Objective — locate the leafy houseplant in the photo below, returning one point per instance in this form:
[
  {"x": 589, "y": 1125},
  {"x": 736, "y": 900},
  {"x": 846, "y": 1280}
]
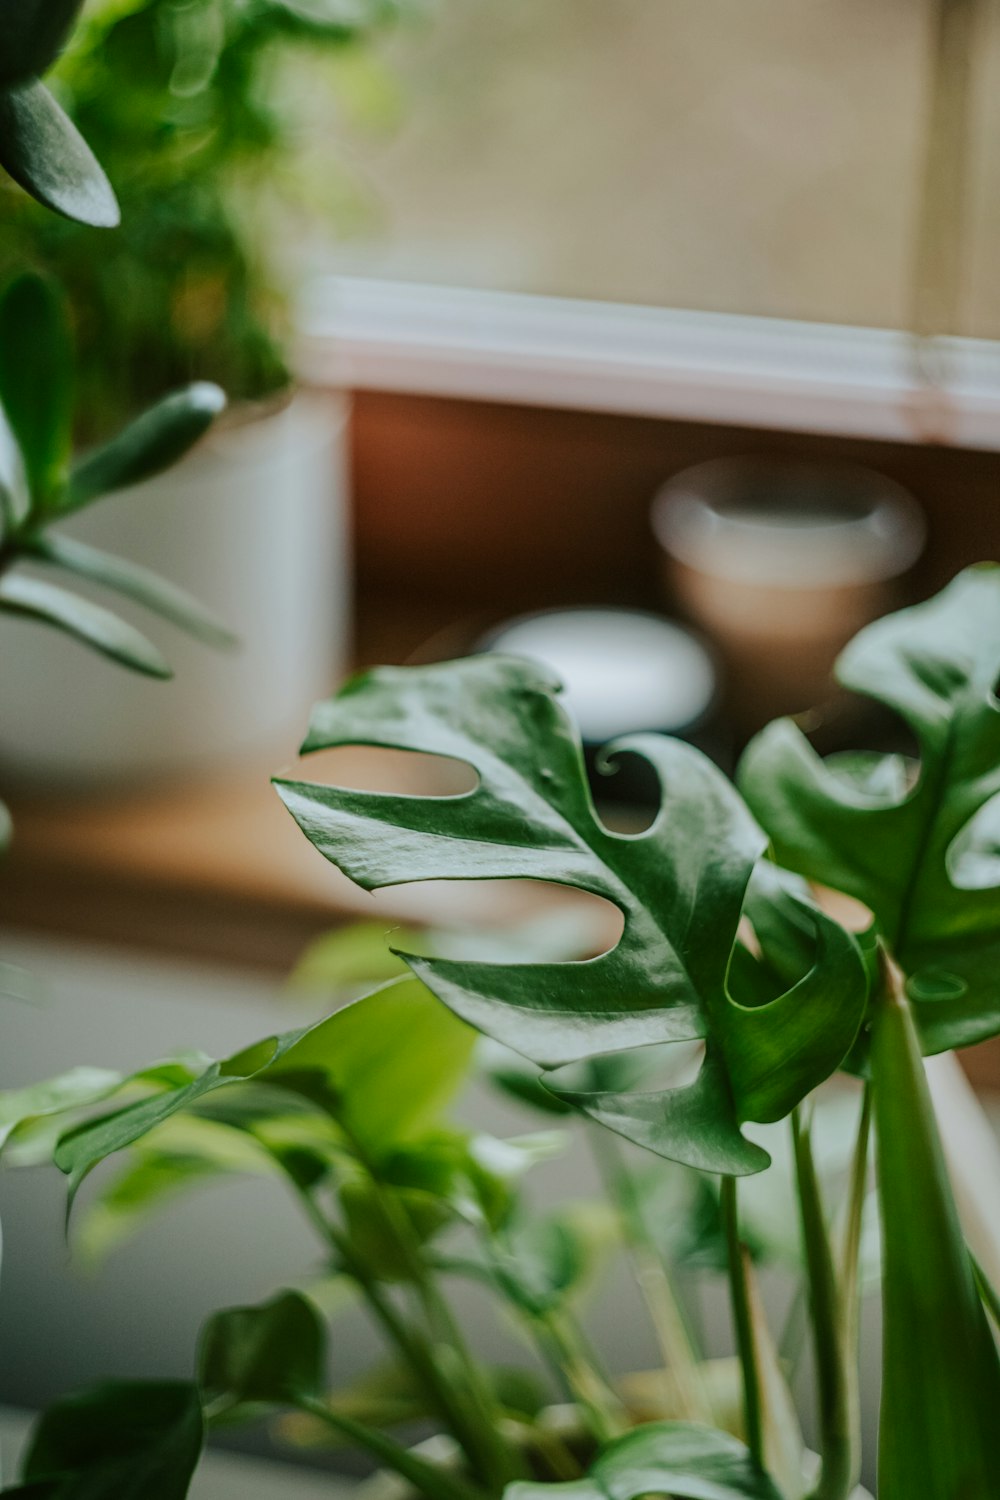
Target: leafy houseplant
[
  {"x": 197, "y": 113},
  {"x": 728, "y": 948}
]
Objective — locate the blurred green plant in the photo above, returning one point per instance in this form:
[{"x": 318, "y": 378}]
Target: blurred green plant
[
  {"x": 198, "y": 110},
  {"x": 40, "y": 148}
]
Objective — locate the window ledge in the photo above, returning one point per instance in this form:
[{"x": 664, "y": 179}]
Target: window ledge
[{"x": 651, "y": 362}]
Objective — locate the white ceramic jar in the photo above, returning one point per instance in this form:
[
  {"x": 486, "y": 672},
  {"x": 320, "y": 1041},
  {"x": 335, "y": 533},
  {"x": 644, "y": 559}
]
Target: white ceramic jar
[{"x": 254, "y": 523}]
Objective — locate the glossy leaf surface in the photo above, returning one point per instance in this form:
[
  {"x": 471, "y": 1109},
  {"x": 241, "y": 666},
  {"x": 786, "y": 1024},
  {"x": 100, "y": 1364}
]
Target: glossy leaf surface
[
  {"x": 680, "y": 886},
  {"x": 918, "y": 844},
  {"x": 153, "y": 442},
  {"x": 679, "y": 1459},
  {"x": 938, "y": 1433},
  {"x": 36, "y": 379},
  {"x": 132, "y": 1441},
  {"x": 89, "y": 623},
  {"x": 45, "y": 154},
  {"x": 132, "y": 581},
  {"x": 271, "y": 1353}
]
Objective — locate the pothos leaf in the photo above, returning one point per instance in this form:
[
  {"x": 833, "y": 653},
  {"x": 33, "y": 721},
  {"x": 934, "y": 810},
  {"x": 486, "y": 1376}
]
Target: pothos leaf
[
  {"x": 919, "y": 844},
  {"x": 272, "y": 1353},
  {"x": 381, "y": 1067},
  {"x": 680, "y": 886},
  {"x": 681, "y": 1459},
  {"x": 126, "y": 1439}
]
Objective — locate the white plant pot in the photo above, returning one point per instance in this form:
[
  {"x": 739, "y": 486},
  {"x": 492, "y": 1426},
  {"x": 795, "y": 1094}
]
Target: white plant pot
[{"x": 254, "y": 524}]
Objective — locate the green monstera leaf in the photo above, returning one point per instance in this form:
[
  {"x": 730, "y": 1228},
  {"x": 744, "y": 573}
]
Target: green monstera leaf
[
  {"x": 681, "y": 1459},
  {"x": 680, "y": 886},
  {"x": 918, "y": 843}
]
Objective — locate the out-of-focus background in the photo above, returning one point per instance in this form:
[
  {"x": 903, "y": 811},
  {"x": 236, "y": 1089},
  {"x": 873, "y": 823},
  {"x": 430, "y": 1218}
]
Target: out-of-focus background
[{"x": 523, "y": 306}]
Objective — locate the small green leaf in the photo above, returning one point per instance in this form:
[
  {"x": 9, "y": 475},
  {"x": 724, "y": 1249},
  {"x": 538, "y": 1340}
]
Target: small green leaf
[
  {"x": 135, "y": 582},
  {"x": 155, "y": 441},
  {"x": 680, "y": 886},
  {"x": 129, "y": 1440},
  {"x": 68, "y": 1091},
  {"x": 36, "y": 379},
  {"x": 274, "y": 1353},
  {"x": 34, "y": 32},
  {"x": 87, "y": 622},
  {"x": 382, "y": 1067},
  {"x": 15, "y": 497},
  {"x": 679, "y": 1459},
  {"x": 45, "y": 154},
  {"x": 918, "y": 844}
]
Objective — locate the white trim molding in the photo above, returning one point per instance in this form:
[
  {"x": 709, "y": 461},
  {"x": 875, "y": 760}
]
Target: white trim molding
[{"x": 649, "y": 362}]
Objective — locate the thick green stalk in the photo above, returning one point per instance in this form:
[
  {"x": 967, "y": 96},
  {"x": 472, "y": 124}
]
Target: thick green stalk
[
  {"x": 493, "y": 1458},
  {"x": 430, "y": 1480},
  {"x": 939, "y": 1435},
  {"x": 652, "y": 1275},
  {"x": 412, "y": 1345},
  {"x": 746, "y": 1344},
  {"x": 568, "y": 1353},
  {"x": 838, "y": 1423}
]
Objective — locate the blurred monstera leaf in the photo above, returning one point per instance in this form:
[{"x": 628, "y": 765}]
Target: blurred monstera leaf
[
  {"x": 681, "y": 1459},
  {"x": 680, "y": 886},
  {"x": 918, "y": 842},
  {"x": 40, "y": 147}
]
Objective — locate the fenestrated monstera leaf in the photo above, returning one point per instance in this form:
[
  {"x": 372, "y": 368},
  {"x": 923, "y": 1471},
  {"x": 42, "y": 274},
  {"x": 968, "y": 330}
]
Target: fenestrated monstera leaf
[
  {"x": 682, "y": 1459},
  {"x": 919, "y": 844},
  {"x": 680, "y": 886}
]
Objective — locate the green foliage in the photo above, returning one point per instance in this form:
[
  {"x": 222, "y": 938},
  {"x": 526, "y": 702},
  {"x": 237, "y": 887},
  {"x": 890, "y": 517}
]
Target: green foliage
[
  {"x": 197, "y": 112},
  {"x": 336, "y": 1065},
  {"x": 130, "y": 1440},
  {"x": 273, "y": 1353},
  {"x": 680, "y": 886},
  {"x": 39, "y": 146},
  {"x": 917, "y": 842},
  {"x": 940, "y": 1369},
  {"x": 686, "y": 1461},
  {"x": 39, "y": 485}
]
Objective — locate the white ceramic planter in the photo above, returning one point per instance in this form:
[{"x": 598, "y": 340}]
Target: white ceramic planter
[{"x": 254, "y": 523}]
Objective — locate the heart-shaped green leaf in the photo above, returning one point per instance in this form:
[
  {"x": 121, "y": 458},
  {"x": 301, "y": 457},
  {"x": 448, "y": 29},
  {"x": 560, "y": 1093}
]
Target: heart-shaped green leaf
[
  {"x": 273, "y": 1353},
  {"x": 680, "y": 1459},
  {"x": 36, "y": 380},
  {"x": 88, "y": 622},
  {"x": 918, "y": 844},
  {"x": 680, "y": 886},
  {"x": 33, "y": 33},
  {"x": 153, "y": 442},
  {"x": 45, "y": 154},
  {"x": 133, "y": 1441}
]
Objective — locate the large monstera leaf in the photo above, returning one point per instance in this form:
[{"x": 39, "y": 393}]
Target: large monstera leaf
[
  {"x": 680, "y": 886},
  {"x": 918, "y": 843}
]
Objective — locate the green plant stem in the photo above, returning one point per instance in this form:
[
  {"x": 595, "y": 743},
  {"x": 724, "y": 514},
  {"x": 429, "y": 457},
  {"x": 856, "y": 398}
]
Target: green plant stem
[
  {"x": 652, "y": 1275},
  {"x": 839, "y": 1426},
  {"x": 410, "y": 1343},
  {"x": 430, "y": 1479},
  {"x": 568, "y": 1354},
  {"x": 746, "y": 1344},
  {"x": 987, "y": 1291},
  {"x": 493, "y": 1458}
]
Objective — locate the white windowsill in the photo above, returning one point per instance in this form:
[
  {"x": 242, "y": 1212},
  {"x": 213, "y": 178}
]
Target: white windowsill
[{"x": 651, "y": 362}]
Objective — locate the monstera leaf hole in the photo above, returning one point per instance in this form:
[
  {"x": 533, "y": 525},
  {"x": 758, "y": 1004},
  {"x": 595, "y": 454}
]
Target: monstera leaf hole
[
  {"x": 973, "y": 858},
  {"x": 374, "y": 768}
]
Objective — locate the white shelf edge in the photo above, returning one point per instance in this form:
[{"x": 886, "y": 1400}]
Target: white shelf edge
[{"x": 649, "y": 362}]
